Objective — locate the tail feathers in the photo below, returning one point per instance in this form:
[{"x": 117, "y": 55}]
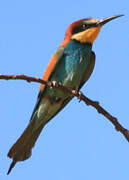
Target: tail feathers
[
  {"x": 11, "y": 166},
  {"x": 21, "y": 150}
]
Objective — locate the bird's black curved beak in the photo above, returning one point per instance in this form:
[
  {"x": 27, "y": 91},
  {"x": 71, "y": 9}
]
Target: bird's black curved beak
[{"x": 105, "y": 20}]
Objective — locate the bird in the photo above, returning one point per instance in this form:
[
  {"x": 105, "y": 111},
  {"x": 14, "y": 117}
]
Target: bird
[{"x": 71, "y": 65}]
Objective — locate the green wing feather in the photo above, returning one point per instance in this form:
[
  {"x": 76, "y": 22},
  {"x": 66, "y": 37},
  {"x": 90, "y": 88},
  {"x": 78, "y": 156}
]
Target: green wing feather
[
  {"x": 60, "y": 55},
  {"x": 87, "y": 75}
]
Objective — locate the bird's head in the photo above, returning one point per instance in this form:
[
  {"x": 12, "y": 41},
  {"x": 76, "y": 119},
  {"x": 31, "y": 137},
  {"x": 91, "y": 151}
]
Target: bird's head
[{"x": 85, "y": 30}]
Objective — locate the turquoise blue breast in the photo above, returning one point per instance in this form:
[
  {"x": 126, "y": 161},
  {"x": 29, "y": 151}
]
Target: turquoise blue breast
[{"x": 73, "y": 64}]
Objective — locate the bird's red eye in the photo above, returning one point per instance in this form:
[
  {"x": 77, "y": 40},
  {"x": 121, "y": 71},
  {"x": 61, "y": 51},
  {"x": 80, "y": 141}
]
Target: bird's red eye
[
  {"x": 80, "y": 28},
  {"x": 84, "y": 26}
]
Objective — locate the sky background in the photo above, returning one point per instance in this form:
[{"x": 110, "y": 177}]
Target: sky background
[{"x": 79, "y": 143}]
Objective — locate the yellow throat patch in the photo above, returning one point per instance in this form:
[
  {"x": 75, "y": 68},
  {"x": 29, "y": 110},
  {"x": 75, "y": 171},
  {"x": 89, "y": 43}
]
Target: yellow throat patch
[{"x": 88, "y": 35}]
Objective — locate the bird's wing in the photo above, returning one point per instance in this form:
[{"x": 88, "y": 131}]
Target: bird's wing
[
  {"x": 85, "y": 78},
  {"x": 52, "y": 66},
  {"x": 21, "y": 150}
]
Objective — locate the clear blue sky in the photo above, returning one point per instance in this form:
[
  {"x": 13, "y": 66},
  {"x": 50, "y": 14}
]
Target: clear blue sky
[{"x": 78, "y": 144}]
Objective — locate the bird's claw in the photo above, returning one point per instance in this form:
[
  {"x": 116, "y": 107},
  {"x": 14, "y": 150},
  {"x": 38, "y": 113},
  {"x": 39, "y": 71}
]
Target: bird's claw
[{"x": 80, "y": 95}]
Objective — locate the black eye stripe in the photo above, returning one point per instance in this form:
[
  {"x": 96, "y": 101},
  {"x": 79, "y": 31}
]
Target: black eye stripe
[
  {"x": 83, "y": 27},
  {"x": 80, "y": 28}
]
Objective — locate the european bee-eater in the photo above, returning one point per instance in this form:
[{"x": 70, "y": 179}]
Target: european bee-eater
[{"x": 72, "y": 65}]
